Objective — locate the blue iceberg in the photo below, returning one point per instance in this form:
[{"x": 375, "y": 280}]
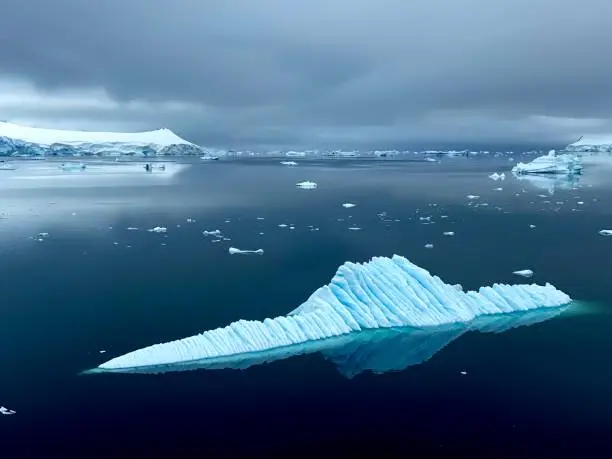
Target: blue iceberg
[{"x": 362, "y": 301}]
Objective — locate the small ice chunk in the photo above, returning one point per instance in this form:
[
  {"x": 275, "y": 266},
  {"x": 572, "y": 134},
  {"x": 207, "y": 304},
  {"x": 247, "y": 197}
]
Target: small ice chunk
[
  {"x": 580, "y": 203},
  {"x": 354, "y": 228},
  {"x": 348, "y": 205},
  {"x": 102, "y": 351},
  {"x": 463, "y": 372},
  {"x": 260, "y": 218},
  {"x": 472, "y": 196},
  {"x": 448, "y": 233},
  {"x": 307, "y": 185},
  {"x": 283, "y": 225},
  {"x": 524, "y": 272},
  {"x": 496, "y": 176},
  {"x": 497, "y": 189},
  {"x": 429, "y": 246},
  {"x": 132, "y": 228},
  {"x": 6, "y": 411},
  {"x": 289, "y": 163},
  {"x": 425, "y": 219},
  {"x": 606, "y": 232},
  {"x": 532, "y": 226},
  {"x": 212, "y": 233},
  {"x": 234, "y": 251},
  {"x": 190, "y": 220},
  {"x": 158, "y": 229}
]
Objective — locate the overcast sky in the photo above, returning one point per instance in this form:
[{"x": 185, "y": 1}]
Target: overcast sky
[{"x": 265, "y": 74}]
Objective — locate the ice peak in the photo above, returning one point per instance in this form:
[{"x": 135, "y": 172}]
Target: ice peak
[{"x": 45, "y": 136}]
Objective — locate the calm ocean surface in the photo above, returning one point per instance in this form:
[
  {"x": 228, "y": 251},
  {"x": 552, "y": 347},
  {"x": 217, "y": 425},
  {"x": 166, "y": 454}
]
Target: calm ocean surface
[{"x": 92, "y": 289}]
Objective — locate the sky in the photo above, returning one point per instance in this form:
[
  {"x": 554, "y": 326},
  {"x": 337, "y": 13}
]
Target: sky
[{"x": 287, "y": 74}]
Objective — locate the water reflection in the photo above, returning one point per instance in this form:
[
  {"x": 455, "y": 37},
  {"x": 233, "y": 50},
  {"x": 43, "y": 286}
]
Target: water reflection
[
  {"x": 550, "y": 182},
  {"x": 378, "y": 351}
]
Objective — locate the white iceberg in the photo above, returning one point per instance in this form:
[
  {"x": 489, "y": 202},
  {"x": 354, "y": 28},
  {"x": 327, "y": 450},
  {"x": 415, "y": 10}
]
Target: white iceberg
[
  {"x": 6, "y": 411},
  {"x": 158, "y": 229},
  {"x": 605, "y": 232},
  {"x": 32, "y": 141},
  {"x": 235, "y": 251},
  {"x": 382, "y": 293},
  {"x": 592, "y": 143},
  {"x": 551, "y": 163},
  {"x": 307, "y": 185}
]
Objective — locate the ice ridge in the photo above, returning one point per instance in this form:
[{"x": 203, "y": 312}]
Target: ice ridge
[{"x": 382, "y": 293}]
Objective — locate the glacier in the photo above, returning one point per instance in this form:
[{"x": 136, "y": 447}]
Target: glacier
[
  {"x": 384, "y": 293},
  {"x": 592, "y": 143},
  {"x": 17, "y": 140}
]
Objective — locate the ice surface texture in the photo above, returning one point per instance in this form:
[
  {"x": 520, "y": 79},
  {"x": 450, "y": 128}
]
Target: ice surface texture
[
  {"x": 24, "y": 140},
  {"x": 382, "y": 293}
]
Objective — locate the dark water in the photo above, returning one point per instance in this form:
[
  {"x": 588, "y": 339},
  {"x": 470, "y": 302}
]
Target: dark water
[{"x": 92, "y": 285}]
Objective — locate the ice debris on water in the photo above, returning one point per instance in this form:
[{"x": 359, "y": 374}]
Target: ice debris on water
[
  {"x": 448, "y": 233},
  {"x": 429, "y": 246},
  {"x": 497, "y": 189},
  {"x": 523, "y": 272},
  {"x": 348, "y": 205},
  {"x": 283, "y": 225},
  {"x": 289, "y": 163},
  {"x": 496, "y": 176},
  {"x": 158, "y": 229},
  {"x": 307, "y": 185},
  {"x": 132, "y": 228},
  {"x": 532, "y": 226},
  {"x": 606, "y": 232},
  {"x": 212, "y": 233},
  {"x": 6, "y": 411},
  {"x": 472, "y": 196},
  {"x": 235, "y": 251},
  {"x": 354, "y": 228},
  {"x": 190, "y": 220}
]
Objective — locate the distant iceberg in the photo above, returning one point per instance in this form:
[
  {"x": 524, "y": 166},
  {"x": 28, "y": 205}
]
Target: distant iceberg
[
  {"x": 16, "y": 140},
  {"x": 552, "y": 163},
  {"x": 592, "y": 143},
  {"x": 383, "y": 293}
]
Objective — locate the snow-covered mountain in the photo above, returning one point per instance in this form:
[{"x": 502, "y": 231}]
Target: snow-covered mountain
[
  {"x": 592, "y": 143},
  {"x": 17, "y": 140}
]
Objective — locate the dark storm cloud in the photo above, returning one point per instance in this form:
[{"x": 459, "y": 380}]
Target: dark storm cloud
[{"x": 325, "y": 73}]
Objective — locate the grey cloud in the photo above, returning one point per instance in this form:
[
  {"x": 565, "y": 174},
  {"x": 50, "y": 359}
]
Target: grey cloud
[{"x": 326, "y": 73}]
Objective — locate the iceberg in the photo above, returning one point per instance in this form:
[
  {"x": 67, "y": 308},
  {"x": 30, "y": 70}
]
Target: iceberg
[
  {"x": 552, "y": 163},
  {"x": 307, "y": 185},
  {"x": 592, "y": 143},
  {"x": 235, "y": 251},
  {"x": 383, "y": 293},
  {"x": 17, "y": 140}
]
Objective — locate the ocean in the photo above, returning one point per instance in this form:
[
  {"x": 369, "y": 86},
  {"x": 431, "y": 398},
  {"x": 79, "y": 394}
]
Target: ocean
[{"x": 83, "y": 281}]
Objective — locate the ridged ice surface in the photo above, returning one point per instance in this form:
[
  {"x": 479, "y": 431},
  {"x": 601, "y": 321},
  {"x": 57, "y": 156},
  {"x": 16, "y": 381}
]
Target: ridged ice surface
[{"x": 383, "y": 293}]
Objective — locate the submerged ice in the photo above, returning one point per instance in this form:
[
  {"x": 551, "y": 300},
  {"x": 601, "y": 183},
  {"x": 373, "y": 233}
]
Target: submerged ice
[{"x": 382, "y": 293}]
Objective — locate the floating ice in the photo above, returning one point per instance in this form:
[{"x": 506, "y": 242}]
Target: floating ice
[
  {"x": 524, "y": 272},
  {"x": 429, "y": 246},
  {"x": 472, "y": 196},
  {"x": 496, "y": 176},
  {"x": 497, "y": 189},
  {"x": 354, "y": 228},
  {"x": 212, "y": 233},
  {"x": 132, "y": 228},
  {"x": 158, "y": 229},
  {"x": 605, "y": 232},
  {"x": 348, "y": 205},
  {"x": 532, "y": 226},
  {"x": 289, "y": 163},
  {"x": 6, "y": 411},
  {"x": 382, "y": 293},
  {"x": 448, "y": 233},
  {"x": 551, "y": 164},
  {"x": 307, "y": 185},
  {"x": 235, "y": 251}
]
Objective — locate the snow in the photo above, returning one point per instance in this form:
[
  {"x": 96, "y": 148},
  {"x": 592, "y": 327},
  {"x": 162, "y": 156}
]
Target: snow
[
  {"x": 592, "y": 140},
  {"x": 382, "y": 293},
  {"x": 42, "y": 136},
  {"x": 235, "y": 251}
]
